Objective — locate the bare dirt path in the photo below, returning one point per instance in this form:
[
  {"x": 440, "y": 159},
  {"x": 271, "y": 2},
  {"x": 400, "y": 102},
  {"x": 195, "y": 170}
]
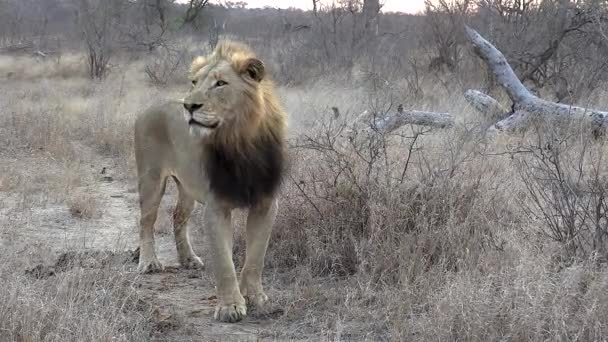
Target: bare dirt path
[{"x": 185, "y": 299}]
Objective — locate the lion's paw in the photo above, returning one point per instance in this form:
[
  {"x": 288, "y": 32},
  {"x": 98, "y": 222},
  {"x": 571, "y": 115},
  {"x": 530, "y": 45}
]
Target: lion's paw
[
  {"x": 230, "y": 313},
  {"x": 258, "y": 300},
  {"x": 151, "y": 265},
  {"x": 192, "y": 263}
]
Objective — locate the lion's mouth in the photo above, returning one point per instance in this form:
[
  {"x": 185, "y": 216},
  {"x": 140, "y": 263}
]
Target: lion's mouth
[{"x": 209, "y": 125}]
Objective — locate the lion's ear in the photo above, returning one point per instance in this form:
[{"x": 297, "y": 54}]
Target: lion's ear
[
  {"x": 254, "y": 68},
  {"x": 197, "y": 64}
]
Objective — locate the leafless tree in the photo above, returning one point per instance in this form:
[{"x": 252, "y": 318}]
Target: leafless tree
[
  {"x": 371, "y": 16},
  {"x": 343, "y": 28},
  {"x": 194, "y": 9},
  {"x": 165, "y": 65},
  {"x": 96, "y": 20},
  {"x": 444, "y": 20},
  {"x": 154, "y": 25}
]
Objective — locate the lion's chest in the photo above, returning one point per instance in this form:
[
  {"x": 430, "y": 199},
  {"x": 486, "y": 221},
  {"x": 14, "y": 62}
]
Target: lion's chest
[{"x": 246, "y": 177}]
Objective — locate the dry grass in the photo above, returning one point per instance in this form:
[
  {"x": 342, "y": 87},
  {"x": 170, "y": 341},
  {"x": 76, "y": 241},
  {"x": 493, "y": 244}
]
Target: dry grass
[
  {"x": 55, "y": 121},
  {"x": 84, "y": 206},
  {"x": 443, "y": 251},
  {"x": 447, "y": 254},
  {"x": 30, "y": 68},
  {"x": 58, "y": 114},
  {"x": 70, "y": 303}
]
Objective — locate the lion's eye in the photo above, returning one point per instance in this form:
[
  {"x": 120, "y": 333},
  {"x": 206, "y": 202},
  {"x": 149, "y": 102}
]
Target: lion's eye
[
  {"x": 193, "y": 82},
  {"x": 220, "y": 83}
]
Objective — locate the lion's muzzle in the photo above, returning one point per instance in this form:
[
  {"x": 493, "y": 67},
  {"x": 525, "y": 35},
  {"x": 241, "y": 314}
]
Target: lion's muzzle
[
  {"x": 192, "y": 107},
  {"x": 201, "y": 124},
  {"x": 200, "y": 119}
]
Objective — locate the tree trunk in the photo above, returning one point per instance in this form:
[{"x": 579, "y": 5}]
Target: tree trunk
[{"x": 371, "y": 11}]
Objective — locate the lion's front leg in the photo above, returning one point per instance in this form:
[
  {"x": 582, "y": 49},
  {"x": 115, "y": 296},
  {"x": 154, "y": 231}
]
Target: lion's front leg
[
  {"x": 231, "y": 304},
  {"x": 259, "y": 226}
]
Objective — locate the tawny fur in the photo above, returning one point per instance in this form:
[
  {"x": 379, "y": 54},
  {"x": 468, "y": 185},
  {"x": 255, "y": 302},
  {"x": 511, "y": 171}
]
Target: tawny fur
[{"x": 224, "y": 146}]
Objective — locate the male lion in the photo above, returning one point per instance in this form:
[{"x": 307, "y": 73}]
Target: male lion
[{"x": 223, "y": 146}]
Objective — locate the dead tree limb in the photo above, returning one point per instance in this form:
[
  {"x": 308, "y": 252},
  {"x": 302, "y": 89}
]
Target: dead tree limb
[
  {"x": 17, "y": 49},
  {"x": 525, "y": 104},
  {"x": 392, "y": 121},
  {"x": 486, "y": 105}
]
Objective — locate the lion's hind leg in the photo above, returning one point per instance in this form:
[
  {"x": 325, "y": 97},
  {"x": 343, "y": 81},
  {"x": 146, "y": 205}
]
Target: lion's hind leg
[
  {"x": 258, "y": 230},
  {"x": 181, "y": 214},
  {"x": 151, "y": 190}
]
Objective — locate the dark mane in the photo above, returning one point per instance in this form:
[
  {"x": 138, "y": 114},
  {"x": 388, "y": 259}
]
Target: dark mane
[{"x": 245, "y": 177}]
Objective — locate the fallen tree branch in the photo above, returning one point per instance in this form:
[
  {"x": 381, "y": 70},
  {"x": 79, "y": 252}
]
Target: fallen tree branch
[
  {"x": 393, "y": 121},
  {"x": 525, "y": 104},
  {"x": 17, "y": 48},
  {"x": 486, "y": 105}
]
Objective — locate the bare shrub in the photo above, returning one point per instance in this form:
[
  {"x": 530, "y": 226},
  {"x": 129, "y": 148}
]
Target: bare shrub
[
  {"x": 194, "y": 9},
  {"x": 443, "y": 250},
  {"x": 377, "y": 226},
  {"x": 167, "y": 64},
  {"x": 147, "y": 25},
  {"x": 566, "y": 182},
  {"x": 84, "y": 206},
  {"x": 97, "y": 20},
  {"x": 368, "y": 200},
  {"x": 443, "y": 20}
]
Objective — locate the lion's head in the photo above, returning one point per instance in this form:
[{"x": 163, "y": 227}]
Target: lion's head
[
  {"x": 233, "y": 111},
  {"x": 230, "y": 94}
]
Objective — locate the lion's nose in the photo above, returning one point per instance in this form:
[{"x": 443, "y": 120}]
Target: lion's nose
[{"x": 191, "y": 107}]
